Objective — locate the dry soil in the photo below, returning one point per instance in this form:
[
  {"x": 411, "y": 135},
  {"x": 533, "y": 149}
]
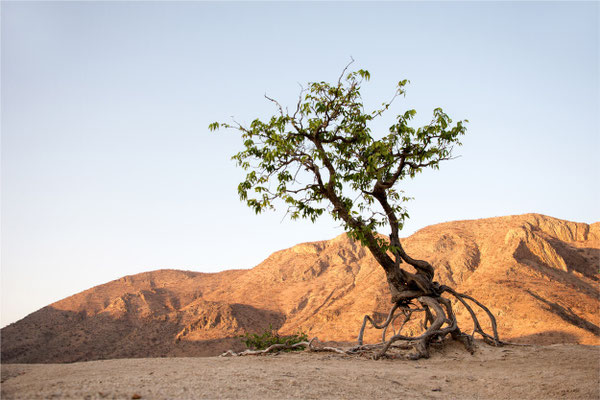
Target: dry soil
[{"x": 532, "y": 372}]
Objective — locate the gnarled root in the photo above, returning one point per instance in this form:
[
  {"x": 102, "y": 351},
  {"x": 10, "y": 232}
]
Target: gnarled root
[
  {"x": 493, "y": 340},
  {"x": 390, "y": 319},
  {"x": 439, "y": 321},
  {"x": 435, "y": 329},
  {"x": 310, "y": 346}
]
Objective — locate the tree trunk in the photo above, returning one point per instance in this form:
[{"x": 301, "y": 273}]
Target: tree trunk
[{"x": 409, "y": 290}]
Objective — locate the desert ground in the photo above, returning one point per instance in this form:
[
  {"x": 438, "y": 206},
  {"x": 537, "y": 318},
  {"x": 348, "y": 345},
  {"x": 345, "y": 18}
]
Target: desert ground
[{"x": 509, "y": 372}]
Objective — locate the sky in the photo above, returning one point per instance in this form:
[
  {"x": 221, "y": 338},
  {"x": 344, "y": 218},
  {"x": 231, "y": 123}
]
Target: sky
[{"x": 108, "y": 168}]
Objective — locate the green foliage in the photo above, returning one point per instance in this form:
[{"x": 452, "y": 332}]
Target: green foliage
[
  {"x": 270, "y": 337},
  {"x": 323, "y": 158}
]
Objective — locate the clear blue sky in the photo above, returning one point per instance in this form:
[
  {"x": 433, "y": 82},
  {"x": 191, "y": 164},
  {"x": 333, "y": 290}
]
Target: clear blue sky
[{"x": 108, "y": 167}]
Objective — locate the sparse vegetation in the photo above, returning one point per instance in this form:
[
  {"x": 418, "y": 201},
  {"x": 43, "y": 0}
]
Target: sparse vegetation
[{"x": 270, "y": 337}]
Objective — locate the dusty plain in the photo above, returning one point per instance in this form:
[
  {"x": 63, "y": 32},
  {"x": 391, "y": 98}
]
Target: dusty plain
[{"x": 510, "y": 372}]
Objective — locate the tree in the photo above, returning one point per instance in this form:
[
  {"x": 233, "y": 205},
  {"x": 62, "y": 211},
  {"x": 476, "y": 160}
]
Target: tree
[{"x": 322, "y": 158}]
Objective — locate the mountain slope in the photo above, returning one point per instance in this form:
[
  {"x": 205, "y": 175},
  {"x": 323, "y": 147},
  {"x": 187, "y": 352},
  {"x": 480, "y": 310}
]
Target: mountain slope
[{"x": 537, "y": 274}]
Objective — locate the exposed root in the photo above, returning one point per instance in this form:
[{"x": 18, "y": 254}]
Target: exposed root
[
  {"x": 438, "y": 322},
  {"x": 373, "y": 323},
  {"x": 421, "y": 341},
  {"x": 493, "y": 340},
  {"x": 310, "y": 346},
  {"x": 407, "y": 312}
]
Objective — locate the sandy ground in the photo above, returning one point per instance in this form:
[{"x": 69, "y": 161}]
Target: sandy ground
[{"x": 536, "y": 372}]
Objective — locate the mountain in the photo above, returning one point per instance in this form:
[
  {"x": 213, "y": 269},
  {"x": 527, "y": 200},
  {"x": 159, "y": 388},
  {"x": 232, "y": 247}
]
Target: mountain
[{"x": 539, "y": 275}]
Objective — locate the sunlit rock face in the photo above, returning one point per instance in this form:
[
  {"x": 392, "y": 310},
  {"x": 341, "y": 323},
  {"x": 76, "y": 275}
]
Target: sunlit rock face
[{"x": 537, "y": 274}]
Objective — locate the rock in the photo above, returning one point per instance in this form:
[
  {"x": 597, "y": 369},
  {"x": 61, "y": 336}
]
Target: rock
[{"x": 538, "y": 274}]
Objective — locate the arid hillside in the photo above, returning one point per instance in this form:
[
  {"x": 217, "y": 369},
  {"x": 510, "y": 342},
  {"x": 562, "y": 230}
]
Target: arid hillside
[{"x": 539, "y": 275}]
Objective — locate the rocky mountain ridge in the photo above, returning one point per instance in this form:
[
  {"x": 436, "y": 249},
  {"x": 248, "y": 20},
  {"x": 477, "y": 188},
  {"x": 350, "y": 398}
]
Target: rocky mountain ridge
[{"x": 539, "y": 275}]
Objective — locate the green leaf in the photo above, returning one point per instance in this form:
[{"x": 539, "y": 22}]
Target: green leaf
[{"x": 321, "y": 157}]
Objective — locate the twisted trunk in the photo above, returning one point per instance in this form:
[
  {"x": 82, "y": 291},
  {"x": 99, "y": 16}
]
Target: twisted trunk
[{"x": 405, "y": 287}]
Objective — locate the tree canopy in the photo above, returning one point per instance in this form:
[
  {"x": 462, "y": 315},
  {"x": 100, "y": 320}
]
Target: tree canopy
[{"x": 323, "y": 157}]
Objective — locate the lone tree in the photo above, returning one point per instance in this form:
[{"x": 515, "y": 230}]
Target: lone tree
[{"x": 323, "y": 158}]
